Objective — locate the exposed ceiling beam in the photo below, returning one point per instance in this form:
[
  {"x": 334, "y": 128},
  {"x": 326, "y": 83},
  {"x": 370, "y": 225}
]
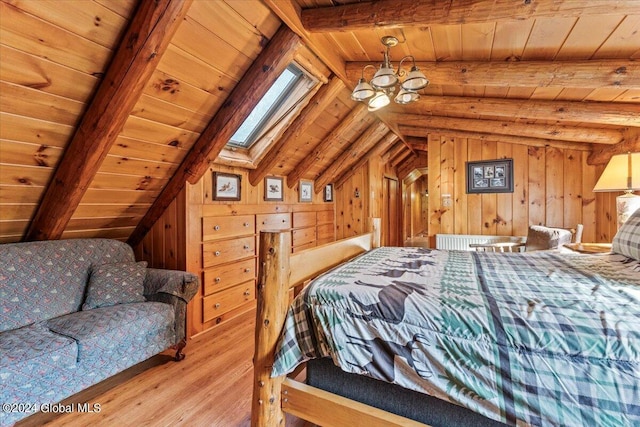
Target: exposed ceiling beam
[
  {"x": 604, "y": 113},
  {"x": 416, "y": 163},
  {"x": 350, "y": 156},
  {"x": 537, "y": 142},
  {"x": 277, "y": 151},
  {"x": 533, "y": 130},
  {"x": 260, "y": 76},
  {"x": 401, "y": 157},
  {"x": 630, "y": 144},
  {"x": 289, "y": 12},
  {"x": 593, "y": 74},
  {"x": 133, "y": 63},
  {"x": 353, "y": 119},
  {"x": 400, "y": 13},
  {"x": 384, "y": 143},
  {"x": 393, "y": 150}
]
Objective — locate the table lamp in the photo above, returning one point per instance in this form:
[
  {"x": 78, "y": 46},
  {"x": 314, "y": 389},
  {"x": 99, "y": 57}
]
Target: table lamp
[{"x": 622, "y": 174}]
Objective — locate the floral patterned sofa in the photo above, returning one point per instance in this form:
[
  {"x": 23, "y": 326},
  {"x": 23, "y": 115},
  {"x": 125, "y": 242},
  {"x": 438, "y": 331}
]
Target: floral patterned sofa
[{"x": 74, "y": 312}]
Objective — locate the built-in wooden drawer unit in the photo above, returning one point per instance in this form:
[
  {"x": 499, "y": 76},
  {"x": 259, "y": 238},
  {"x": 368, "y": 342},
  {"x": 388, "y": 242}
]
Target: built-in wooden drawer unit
[
  {"x": 324, "y": 217},
  {"x": 303, "y": 236},
  {"x": 304, "y": 219},
  {"x": 221, "y": 227},
  {"x": 221, "y": 302},
  {"x": 326, "y": 232},
  {"x": 280, "y": 221},
  {"x": 227, "y": 275},
  {"x": 219, "y": 252}
]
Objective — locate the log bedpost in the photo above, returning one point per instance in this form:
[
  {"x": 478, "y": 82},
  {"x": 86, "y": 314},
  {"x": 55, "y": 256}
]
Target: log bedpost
[
  {"x": 376, "y": 230},
  {"x": 273, "y": 299}
]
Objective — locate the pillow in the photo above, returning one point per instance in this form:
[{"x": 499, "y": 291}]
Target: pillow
[
  {"x": 541, "y": 238},
  {"x": 111, "y": 284},
  {"x": 627, "y": 240}
]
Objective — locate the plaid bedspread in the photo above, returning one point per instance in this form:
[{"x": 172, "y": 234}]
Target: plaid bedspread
[{"x": 537, "y": 338}]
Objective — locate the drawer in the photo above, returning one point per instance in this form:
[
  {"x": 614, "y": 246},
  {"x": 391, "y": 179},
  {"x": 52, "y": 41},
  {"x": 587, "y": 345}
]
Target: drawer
[
  {"x": 221, "y": 227},
  {"x": 273, "y": 221},
  {"x": 220, "y": 252},
  {"x": 227, "y": 275},
  {"x": 304, "y": 219},
  {"x": 324, "y": 217},
  {"x": 303, "y": 236},
  {"x": 220, "y": 302},
  {"x": 326, "y": 231}
]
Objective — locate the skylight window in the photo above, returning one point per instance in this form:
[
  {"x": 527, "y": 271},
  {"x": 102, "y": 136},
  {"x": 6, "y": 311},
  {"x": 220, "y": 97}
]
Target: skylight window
[{"x": 271, "y": 108}]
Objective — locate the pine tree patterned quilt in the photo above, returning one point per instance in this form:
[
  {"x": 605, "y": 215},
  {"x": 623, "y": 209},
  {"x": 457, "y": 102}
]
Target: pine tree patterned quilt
[{"x": 537, "y": 338}]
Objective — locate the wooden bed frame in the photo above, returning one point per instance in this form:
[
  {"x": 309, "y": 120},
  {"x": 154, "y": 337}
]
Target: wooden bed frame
[{"x": 279, "y": 273}]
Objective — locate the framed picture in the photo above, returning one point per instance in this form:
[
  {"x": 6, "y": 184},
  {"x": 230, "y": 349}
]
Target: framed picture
[
  {"x": 226, "y": 186},
  {"x": 306, "y": 191},
  {"x": 328, "y": 193},
  {"x": 491, "y": 176},
  {"x": 273, "y": 188}
]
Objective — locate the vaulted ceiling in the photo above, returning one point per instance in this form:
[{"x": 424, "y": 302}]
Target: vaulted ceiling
[{"x": 108, "y": 108}]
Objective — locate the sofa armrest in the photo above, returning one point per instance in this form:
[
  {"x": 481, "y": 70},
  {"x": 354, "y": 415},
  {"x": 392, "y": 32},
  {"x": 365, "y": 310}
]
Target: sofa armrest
[{"x": 175, "y": 288}]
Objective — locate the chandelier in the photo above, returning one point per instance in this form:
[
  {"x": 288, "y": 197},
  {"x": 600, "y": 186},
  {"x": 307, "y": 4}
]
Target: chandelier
[{"x": 381, "y": 88}]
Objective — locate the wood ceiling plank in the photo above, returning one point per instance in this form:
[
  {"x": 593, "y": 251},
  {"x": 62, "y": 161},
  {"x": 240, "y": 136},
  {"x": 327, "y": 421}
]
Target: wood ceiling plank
[
  {"x": 169, "y": 88},
  {"x": 587, "y": 35},
  {"x": 135, "y": 60},
  {"x": 26, "y": 129},
  {"x": 624, "y": 41},
  {"x": 350, "y": 156},
  {"x": 546, "y": 38},
  {"x": 400, "y": 13},
  {"x": 260, "y": 76},
  {"x": 581, "y": 74},
  {"x": 564, "y": 112},
  {"x": 24, "y": 101},
  {"x": 22, "y": 153},
  {"x": 556, "y": 132},
  {"x": 27, "y": 70},
  {"x": 87, "y": 19},
  {"x": 129, "y": 147},
  {"x": 257, "y": 15},
  {"x": 38, "y": 37},
  {"x": 355, "y": 116},
  {"x": 320, "y": 101},
  {"x": 152, "y": 131},
  {"x": 510, "y": 39},
  {"x": 170, "y": 114}
]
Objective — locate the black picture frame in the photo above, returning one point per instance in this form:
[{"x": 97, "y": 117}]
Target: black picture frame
[
  {"x": 273, "y": 190},
  {"x": 328, "y": 193},
  {"x": 226, "y": 186},
  {"x": 490, "y": 176}
]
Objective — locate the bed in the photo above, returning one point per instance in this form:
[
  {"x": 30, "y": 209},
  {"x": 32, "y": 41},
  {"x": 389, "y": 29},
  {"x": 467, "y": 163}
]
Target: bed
[{"x": 541, "y": 338}]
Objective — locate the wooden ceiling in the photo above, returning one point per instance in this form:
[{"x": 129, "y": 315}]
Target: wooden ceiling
[{"x": 108, "y": 107}]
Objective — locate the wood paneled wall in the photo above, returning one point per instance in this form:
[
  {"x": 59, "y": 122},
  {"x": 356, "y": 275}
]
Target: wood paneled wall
[{"x": 552, "y": 186}]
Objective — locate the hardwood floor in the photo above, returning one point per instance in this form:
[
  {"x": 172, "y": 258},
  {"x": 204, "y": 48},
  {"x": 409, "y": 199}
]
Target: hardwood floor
[{"x": 211, "y": 387}]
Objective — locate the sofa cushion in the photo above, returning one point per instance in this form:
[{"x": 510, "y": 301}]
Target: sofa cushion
[
  {"x": 41, "y": 280},
  {"x": 31, "y": 355},
  {"x": 111, "y": 284},
  {"x": 118, "y": 336},
  {"x": 627, "y": 240}
]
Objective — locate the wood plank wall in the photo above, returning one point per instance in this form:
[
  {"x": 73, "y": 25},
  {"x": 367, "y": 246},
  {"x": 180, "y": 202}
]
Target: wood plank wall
[{"x": 552, "y": 186}]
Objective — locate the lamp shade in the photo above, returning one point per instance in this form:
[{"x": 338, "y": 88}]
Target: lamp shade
[
  {"x": 415, "y": 80},
  {"x": 384, "y": 78},
  {"x": 362, "y": 91},
  {"x": 379, "y": 100},
  {"x": 621, "y": 174},
  {"x": 406, "y": 96}
]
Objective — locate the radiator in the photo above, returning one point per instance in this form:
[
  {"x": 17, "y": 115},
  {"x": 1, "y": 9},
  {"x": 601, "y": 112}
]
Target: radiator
[{"x": 461, "y": 241}]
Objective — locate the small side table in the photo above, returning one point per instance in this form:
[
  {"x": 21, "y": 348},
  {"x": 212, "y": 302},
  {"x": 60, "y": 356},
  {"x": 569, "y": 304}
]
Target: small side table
[{"x": 590, "y": 248}]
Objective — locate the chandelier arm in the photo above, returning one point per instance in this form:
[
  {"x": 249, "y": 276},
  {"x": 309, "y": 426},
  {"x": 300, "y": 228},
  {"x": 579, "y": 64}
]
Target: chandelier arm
[
  {"x": 402, "y": 72},
  {"x": 365, "y": 67}
]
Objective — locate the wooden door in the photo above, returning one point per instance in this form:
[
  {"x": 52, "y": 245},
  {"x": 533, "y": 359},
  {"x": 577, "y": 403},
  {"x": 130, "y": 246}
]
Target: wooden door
[{"x": 391, "y": 226}]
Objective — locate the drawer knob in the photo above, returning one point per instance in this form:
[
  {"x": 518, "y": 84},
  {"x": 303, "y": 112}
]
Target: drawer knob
[
  {"x": 247, "y": 293},
  {"x": 217, "y": 253},
  {"x": 217, "y": 227},
  {"x": 264, "y": 222},
  {"x": 246, "y": 246},
  {"x": 246, "y": 224},
  {"x": 246, "y": 270},
  {"x": 217, "y": 280},
  {"x": 217, "y": 305}
]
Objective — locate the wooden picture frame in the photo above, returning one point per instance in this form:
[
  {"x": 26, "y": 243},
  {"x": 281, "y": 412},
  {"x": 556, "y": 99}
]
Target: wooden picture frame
[
  {"x": 273, "y": 190},
  {"x": 226, "y": 186},
  {"x": 328, "y": 193},
  {"x": 306, "y": 191},
  {"x": 490, "y": 176}
]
